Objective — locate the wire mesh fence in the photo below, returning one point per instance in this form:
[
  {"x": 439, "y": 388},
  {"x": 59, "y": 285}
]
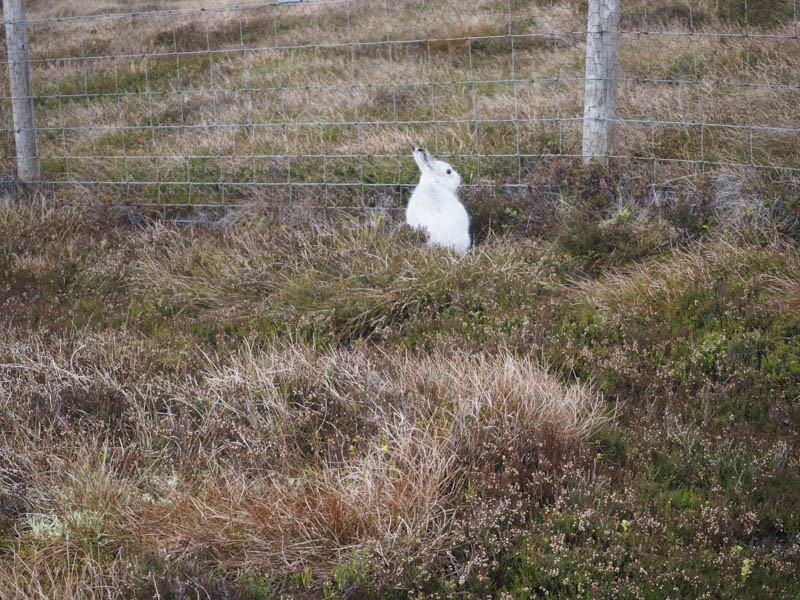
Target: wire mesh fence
[{"x": 318, "y": 102}]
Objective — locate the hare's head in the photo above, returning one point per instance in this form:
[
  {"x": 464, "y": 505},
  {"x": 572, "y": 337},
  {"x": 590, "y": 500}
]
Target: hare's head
[{"x": 437, "y": 170}]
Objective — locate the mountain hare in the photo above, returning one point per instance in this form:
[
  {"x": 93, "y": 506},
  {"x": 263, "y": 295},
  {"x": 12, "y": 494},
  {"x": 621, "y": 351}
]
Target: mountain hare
[{"x": 434, "y": 205}]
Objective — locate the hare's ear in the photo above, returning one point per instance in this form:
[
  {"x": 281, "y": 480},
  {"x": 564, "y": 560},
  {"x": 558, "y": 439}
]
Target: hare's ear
[{"x": 423, "y": 159}]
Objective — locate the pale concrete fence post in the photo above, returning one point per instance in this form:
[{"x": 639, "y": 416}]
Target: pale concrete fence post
[
  {"x": 19, "y": 61},
  {"x": 602, "y": 66}
]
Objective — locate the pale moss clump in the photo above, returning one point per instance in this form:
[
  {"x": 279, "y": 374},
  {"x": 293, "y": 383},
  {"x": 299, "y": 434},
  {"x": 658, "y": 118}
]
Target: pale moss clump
[{"x": 51, "y": 526}]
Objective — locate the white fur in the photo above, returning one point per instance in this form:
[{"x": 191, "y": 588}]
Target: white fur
[{"x": 434, "y": 205}]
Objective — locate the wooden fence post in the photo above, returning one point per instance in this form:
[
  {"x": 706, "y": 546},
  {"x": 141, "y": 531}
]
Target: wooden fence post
[
  {"x": 19, "y": 61},
  {"x": 602, "y": 66}
]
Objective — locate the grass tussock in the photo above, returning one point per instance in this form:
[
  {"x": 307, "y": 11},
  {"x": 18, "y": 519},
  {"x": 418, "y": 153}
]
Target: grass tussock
[
  {"x": 272, "y": 460},
  {"x": 655, "y": 285}
]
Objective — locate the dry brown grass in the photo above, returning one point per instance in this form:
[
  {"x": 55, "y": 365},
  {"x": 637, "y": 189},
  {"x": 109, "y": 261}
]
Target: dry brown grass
[
  {"x": 323, "y": 400},
  {"x": 279, "y": 459},
  {"x": 655, "y": 286}
]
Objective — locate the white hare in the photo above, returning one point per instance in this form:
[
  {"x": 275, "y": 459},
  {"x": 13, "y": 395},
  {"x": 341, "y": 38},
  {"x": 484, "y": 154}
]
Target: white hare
[{"x": 434, "y": 205}]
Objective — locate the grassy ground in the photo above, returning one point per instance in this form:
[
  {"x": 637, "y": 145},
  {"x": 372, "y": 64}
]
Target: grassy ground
[
  {"x": 326, "y": 408},
  {"x": 600, "y": 399}
]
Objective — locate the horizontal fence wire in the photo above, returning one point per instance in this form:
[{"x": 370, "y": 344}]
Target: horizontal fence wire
[{"x": 317, "y": 103}]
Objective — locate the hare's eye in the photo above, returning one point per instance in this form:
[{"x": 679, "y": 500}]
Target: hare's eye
[{"x": 449, "y": 171}]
